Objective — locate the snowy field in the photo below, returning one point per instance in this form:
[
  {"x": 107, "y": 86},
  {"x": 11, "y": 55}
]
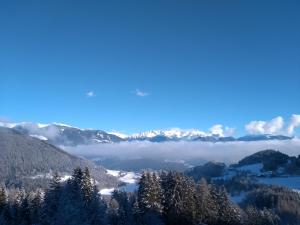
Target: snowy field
[{"x": 129, "y": 178}]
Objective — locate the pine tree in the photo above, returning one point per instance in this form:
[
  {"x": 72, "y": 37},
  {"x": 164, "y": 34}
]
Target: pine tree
[
  {"x": 261, "y": 217},
  {"x": 124, "y": 211},
  {"x": 113, "y": 209},
  {"x": 3, "y": 198},
  {"x": 229, "y": 214},
  {"x": 51, "y": 202},
  {"x": 77, "y": 178},
  {"x": 35, "y": 207},
  {"x": 206, "y": 207},
  {"x": 179, "y": 199},
  {"x": 24, "y": 216},
  {"x": 87, "y": 186},
  {"x": 3, "y": 205},
  {"x": 150, "y": 198},
  {"x": 213, "y": 204},
  {"x": 150, "y": 193},
  {"x": 96, "y": 209}
]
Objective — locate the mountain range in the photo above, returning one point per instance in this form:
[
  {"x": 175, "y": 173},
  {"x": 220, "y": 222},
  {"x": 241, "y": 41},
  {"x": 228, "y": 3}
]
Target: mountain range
[{"x": 65, "y": 135}]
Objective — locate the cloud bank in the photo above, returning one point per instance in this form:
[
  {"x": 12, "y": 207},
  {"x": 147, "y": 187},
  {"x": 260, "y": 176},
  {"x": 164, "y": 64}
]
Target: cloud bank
[
  {"x": 274, "y": 126},
  {"x": 229, "y": 152}
]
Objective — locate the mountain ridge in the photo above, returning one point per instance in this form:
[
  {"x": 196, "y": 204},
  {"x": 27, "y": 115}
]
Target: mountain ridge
[{"x": 65, "y": 135}]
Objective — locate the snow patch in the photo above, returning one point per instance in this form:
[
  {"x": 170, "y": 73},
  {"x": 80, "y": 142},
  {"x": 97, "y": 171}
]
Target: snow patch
[
  {"x": 41, "y": 137},
  {"x": 114, "y": 173},
  {"x": 106, "y": 191},
  {"x": 119, "y": 134},
  {"x": 63, "y": 178},
  {"x": 130, "y": 178}
]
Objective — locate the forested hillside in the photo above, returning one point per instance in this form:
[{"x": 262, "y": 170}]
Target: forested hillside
[
  {"x": 169, "y": 198},
  {"x": 29, "y": 162}
]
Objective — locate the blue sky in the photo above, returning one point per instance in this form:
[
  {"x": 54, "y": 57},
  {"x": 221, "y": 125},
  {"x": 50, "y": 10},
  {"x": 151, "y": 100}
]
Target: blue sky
[{"x": 193, "y": 64}]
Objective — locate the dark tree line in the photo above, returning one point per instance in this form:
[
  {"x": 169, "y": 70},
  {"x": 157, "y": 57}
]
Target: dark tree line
[{"x": 169, "y": 198}]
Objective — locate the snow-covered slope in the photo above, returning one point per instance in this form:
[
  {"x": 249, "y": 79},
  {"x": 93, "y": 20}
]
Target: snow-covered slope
[
  {"x": 62, "y": 134},
  {"x": 129, "y": 180}
]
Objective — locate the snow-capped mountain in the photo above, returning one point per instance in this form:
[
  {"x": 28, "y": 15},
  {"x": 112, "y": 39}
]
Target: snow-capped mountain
[
  {"x": 177, "y": 134},
  {"x": 171, "y": 134},
  {"x": 65, "y": 135},
  {"x": 62, "y": 134}
]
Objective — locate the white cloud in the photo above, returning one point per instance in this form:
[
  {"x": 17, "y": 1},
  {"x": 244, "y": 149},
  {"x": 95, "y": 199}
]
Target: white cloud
[
  {"x": 218, "y": 130},
  {"x": 90, "y": 94},
  {"x": 140, "y": 93},
  {"x": 275, "y": 126},
  {"x": 294, "y": 122}
]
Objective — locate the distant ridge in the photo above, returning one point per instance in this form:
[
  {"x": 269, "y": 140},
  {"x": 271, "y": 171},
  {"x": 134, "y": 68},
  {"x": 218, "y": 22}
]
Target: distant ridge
[{"x": 65, "y": 135}]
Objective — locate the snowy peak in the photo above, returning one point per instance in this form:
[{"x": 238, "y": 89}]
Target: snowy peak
[
  {"x": 67, "y": 135},
  {"x": 172, "y": 134}
]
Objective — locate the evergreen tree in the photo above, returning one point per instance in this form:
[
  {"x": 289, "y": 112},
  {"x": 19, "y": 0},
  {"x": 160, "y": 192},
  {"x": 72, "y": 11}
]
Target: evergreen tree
[
  {"x": 124, "y": 211},
  {"x": 87, "y": 186},
  {"x": 206, "y": 207},
  {"x": 3, "y": 199},
  {"x": 24, "y": 215},
  {"x": 150, "y": 193},
  {"x": 35, "y": 208},
  {"x": 52, "y": 200},
  {"x": 261, "y": 217},
  {"x": 180, "y": 199},
  {"x": 150, "y": 198},
  {"x": 229, "y": 214},
  {"x": 113, "y": 212}
]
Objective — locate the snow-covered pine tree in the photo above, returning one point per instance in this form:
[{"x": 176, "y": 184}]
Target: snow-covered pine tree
[
  {"x": 96, "y": 209},
  {"x": 87, "y": 186},
  {"x": 3, "y": 205},
  {"x": 77, "y": 179},
  {"x": 51, "y": 202},
  {"x": 206, "y": 207},
  {"x": 261, "y": 217},
  {"x": 213, "y": 205},
  {"x": 3, "y": 198},
  {"x": 113, "y": 212},
  {"x": 150, "y": 198},
  {"x": 35, "y": 207},
  {"x": 150, "y": 193},
  {"x": 24, "y": 215},
  {"x": 179, "y": 199},
  {"x": 229, "y": 214}
]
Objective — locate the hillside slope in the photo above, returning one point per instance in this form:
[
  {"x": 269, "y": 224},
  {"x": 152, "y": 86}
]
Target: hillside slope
[{"x": 24, "y": 158}]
